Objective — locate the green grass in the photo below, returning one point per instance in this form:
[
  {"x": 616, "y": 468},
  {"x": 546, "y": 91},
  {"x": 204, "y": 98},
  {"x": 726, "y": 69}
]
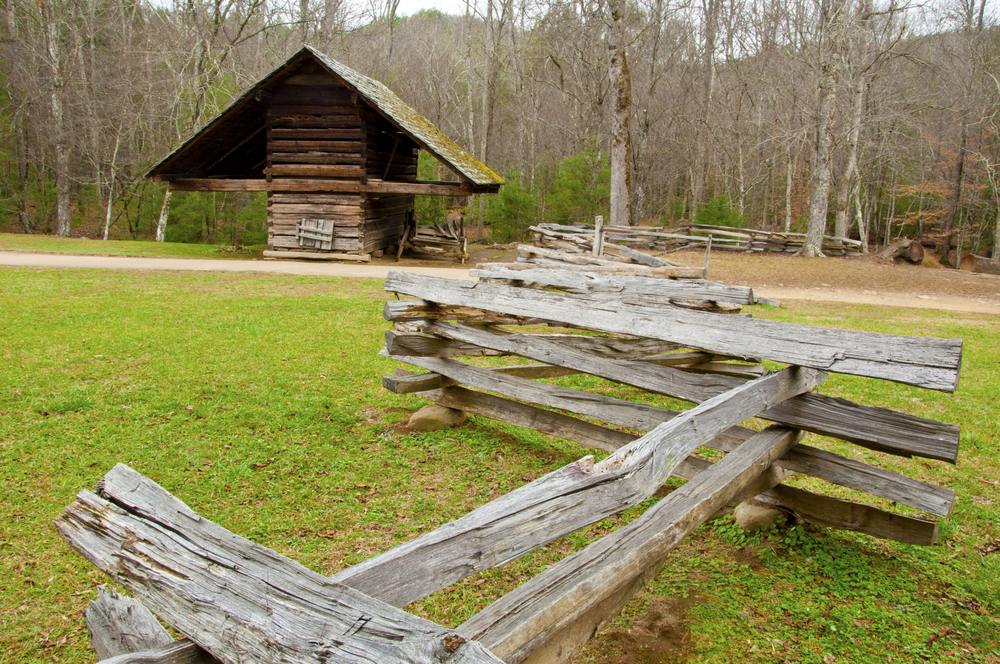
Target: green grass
[
  {"x": 65, "y": 245},
  {"x": 256, "y": 399}
]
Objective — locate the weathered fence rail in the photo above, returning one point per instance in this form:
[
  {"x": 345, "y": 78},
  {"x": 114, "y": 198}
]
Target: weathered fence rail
[
  {"x": 239, "y": 602},
  {"x": 622, "y": 240}
]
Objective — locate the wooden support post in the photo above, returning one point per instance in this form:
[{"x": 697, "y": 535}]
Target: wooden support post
[{"x": 598, "y": 238}]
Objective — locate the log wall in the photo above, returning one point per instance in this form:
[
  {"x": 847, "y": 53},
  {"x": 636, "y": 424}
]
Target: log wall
[{"x": 318, "y": 130}]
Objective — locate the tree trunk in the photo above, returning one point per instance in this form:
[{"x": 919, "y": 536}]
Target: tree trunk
[
  {"x": 161, "y": 226},
  {"x": 621, "y": 117},
  {"x": 789, "y": 171},
  {"x": 699, "y": 173},
  {"x": 842, "y": 224},
  {"x": 956, "y": 192},
  {"x": 59, "y": 128},
  {"x": 819, "y": 199},
  {"x": 862, "y": 222},
  {"x": 996, "y": 229}
]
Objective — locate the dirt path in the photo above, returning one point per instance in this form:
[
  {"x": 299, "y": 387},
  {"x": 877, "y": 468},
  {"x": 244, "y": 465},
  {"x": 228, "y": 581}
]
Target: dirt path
[{"x": 860, "y": 281}]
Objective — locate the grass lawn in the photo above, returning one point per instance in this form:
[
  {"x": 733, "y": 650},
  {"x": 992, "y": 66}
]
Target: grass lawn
[
  {"x": 66, "y": 245},
  {"x": 256, "y": 399}
]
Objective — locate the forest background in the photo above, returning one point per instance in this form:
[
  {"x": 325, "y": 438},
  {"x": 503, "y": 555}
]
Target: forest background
[{"x": 864, "y": 118}]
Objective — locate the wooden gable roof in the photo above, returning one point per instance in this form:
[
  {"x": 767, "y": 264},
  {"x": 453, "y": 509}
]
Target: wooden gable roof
[{"x": 234, "y": 143}]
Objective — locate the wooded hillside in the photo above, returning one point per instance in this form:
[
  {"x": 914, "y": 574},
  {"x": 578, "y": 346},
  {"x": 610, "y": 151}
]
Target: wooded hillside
[{"x": 872, "y": 117}]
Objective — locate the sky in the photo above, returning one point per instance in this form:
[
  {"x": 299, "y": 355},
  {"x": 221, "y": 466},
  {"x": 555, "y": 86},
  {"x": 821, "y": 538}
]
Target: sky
[{"x": 410, "y": 7}]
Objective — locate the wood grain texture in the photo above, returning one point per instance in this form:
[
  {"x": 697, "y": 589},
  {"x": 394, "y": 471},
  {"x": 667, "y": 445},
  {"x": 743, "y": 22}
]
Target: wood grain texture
[
  {"x": 562, "y": 607},
  {"x": 869, "y": 479},
  {"x": 238, "y": 600},
  {"x": 401, "y": 343},
  {"x": 621, "y": 286},
  {"x": 846, "y": 515},
  {"x": 565, "y": 500},
  {"x": 624, "y": 269},
  {"x": 875, "y": 428},
  {"x": 119, "y": 625},
  {"x": 537, "y": 419},
  {"x": 182, "y": 651},
  {"x": 922, "y": 361},
  {"x": 805, "y": 459}
]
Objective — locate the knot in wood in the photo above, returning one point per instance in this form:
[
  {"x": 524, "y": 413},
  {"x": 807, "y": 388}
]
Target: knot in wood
[{"x": 452, "y": 642}]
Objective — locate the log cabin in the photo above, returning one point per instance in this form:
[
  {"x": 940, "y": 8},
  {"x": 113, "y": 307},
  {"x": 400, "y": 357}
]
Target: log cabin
[{"x": 336, "y": 153}]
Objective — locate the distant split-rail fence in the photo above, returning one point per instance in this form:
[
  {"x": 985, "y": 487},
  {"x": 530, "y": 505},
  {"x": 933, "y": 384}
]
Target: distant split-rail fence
[
  {"x": 690, "y": 236},
  {"x": 237, "y": 601}
]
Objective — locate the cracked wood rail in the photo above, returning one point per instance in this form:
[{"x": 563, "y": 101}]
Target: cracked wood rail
[
  {"x": 238, "y": 600},
  {"x": 875, "y": 428},
  {"x": 921, "y": 361},
  {"x": 565, "y": 500},
  {"x": 552, "y": 506},
  {"x": 811, "y": 461},
  {"x": 552, "y": 615}
]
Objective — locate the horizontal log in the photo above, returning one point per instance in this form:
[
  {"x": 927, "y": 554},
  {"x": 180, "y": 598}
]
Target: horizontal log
[
  {"x": 355, "y": 201},
  {"x": 552, "y": 615},
  {"x": 314, "y": 134},
  {"x": 418, "y": 310},
  {"x": 672, "y": 271},
  {"x": 315, "y": 170},
  {"x": 312, "y": 109},
  {"x": 290, "y": 220},
  {"x": 209, "y": 184},
  {"x": 742, "y": 371},
  {"x": 374, "y": 186},
  {"x": 350, "y": 147},
  {"x": 846, "y": 515},
  {"x": 869, "y": 479},
  {"x": 294, "y": 121},
  {"x": 318, "y": 256},
  {"x": 621, "y": 286},
  {"x": 923, "y": 361},
  {"x": 292, "y": 243},
  {"x": 252, "y": 603},
  {"x": 805, "y": 459},
  {"x": 401, "y": 343},
  {"x": 522, "y": 415},
  {"x": 562, "y": 501},
  {"x": 305, "y": 208},
  {"x": 344, "y": 158}
]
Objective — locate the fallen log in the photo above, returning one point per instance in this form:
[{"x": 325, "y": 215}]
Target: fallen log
[
  {"x": 922, "y": 361},
  {"x": 980, "y": 264}
]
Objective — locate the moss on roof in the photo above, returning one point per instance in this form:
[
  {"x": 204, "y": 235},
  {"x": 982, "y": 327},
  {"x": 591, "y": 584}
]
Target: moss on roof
[
  {"x": 376, "y": 94},
  {"x": 410, "y": 121}
]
